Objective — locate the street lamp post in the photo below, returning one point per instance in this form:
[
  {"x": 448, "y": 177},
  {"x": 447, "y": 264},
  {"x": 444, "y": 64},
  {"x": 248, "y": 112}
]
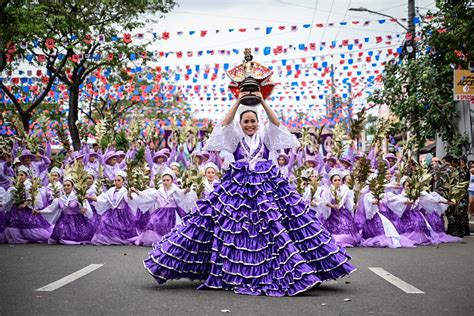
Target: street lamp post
[
  {"x": 408, "y": 45},
  {"x": 362, "y": 9}
]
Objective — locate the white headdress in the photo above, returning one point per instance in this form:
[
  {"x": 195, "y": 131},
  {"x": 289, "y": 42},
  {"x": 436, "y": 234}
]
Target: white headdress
[
  {"x": 334, "y": 172},
  {"x": 243, "y": 108},
  {"x": 211, "y": 165},
  {"x": 345, "y": 173},
  {"x": 169, "y": 172},
  {"x": 174, "y": 163},
  {"x": 91, "y": 172},
  {"x": 56, "y": 170},
  {"x": 70, "y": 179},
  {"x": 122, "y": 174},
  {"x": 25, "y": 170}
]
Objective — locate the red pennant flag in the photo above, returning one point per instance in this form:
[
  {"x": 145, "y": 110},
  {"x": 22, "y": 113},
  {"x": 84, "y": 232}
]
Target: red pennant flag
[
  {"x": 203, "y": 33},
  {"x": 165, "y": 35}
]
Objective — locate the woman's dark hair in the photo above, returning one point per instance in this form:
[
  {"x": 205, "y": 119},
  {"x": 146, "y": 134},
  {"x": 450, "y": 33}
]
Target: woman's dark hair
[
  {"x": 247, "y": 111},
  {"x": 335, "y": 175}
]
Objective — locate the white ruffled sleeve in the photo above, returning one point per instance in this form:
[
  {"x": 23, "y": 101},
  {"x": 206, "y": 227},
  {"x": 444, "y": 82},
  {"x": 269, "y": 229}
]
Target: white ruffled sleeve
[
  {"x": 326, "y": 198},
  {"x": 224, "y": 138},
  {"x": 370, "y": 208},
  {"x": 396, "y": 203},
  {"x": 279, "y": 138},
  {"x": 52, "y": 212},
  {"x": 186, "y": 200},
  {"x": 144, "y": 201},
  {"x": 347, "y": 199},
  {"x": 432, "y": 202},
  {"x": 102, "y": 203}
]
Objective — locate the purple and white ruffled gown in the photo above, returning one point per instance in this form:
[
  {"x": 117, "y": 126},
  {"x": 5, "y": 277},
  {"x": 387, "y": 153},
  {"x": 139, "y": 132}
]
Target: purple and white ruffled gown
[
  {"x": 117, "y": 219},
  {"x": 165, "y": 209},
  {"x": 375, "y": 229},
  {"x": 22, "y": 226},
  {"x": 71, "y": 227},
  {"x": 253, "y": 233},
  {"x": 412, "y": 223},
  {"x": 340, "y": 222},
  {"x": 433, "y": 210}
]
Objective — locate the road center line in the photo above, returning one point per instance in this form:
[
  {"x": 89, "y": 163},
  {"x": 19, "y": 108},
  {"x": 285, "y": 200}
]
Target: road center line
[
  {"x": 69, "y": 278},
  {"x": 402, "y": 285}
]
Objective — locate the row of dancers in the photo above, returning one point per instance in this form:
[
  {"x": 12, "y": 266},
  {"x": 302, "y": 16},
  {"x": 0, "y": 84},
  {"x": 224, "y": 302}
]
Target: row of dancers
[{"x": 121, "y": 214}]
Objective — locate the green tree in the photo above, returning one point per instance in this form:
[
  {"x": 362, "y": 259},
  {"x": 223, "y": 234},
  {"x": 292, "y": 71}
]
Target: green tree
[
  {"x": 420, "y": 91},
  {"x": 78, "y": 27},
  {"x": 19, "y": 22}
]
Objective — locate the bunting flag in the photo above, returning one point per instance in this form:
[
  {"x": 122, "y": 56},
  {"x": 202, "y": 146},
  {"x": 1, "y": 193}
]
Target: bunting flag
[{"x": 300, "y": 96}]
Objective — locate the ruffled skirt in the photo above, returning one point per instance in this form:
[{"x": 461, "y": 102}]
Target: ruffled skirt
[
  {"x": 22, "y": 226},
  {"x": 414, "y": 227},
  {"x": 252, "y": 235},
  {"x": 342, "y": 227},
  {"x": 437, "y": 224},
  {"x": 155, "y": 225},
  {"x": 72, "y": 229},
  {"x": 116, "y": 227}
]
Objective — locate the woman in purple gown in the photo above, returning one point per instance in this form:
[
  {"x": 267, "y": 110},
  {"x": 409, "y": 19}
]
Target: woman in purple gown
[
  {"x": 375, "y": 228},
  {"x": 22, "y": 226},
  {"x": 336, "y": 211},
  {"x": 72, "y": 223},
  {"x": 410, "y": 222},
  {"x": 253, "y": 233},
  {"x": 210, "y": 180},
  {"x": 165, "y": 207},
  {"x": 117, "y": 220},
  {"x": 433, "y": 206}
]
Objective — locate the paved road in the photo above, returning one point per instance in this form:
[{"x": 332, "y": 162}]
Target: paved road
[{"x": 122, "y": 287}]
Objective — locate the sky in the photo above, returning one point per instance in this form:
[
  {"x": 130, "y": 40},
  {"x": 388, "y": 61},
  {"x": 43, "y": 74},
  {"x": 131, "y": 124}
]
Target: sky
[
  {"x": 224, "y": 15},
  {"x": 313, "y": 36}
]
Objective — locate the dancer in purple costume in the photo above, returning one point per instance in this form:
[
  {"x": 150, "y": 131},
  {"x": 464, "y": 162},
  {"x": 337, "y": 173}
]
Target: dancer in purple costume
[
  {"x": 433, "y": 206},
  {"x": 163, "y": 208},
  {"x": 336, "y": 212},
  {"x": 211, "y": 180},
  {"x": 72, "y": 223},
  {"x": 375, "y": 228},
  {"x": 410, "y": 222},
  {"x": 117, "y": 220},
  {"x": 22, "y": 226},
  {"x": 253, "y": 234}
]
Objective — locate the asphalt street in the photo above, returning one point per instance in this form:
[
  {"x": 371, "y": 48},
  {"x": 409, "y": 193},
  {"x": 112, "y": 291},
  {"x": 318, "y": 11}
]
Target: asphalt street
[{"x": 121, "y": 286}]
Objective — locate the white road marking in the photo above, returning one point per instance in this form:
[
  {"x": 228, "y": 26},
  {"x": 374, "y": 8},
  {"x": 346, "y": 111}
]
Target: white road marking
[
  {"x": 402, "y": 285},
  {"x": 69, "y": 278}
]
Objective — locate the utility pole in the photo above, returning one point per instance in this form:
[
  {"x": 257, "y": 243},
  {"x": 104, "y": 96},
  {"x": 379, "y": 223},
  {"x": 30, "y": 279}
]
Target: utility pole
[
  {"x": 411, "y": 50},
  {"x": 411, "y": 28}
]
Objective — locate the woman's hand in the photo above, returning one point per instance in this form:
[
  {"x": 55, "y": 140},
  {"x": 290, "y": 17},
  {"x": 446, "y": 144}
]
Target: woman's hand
[
  {"x": 408, "y": 202},
  {"x": 241, "y": 95},
  {"x": 375, "y": 201},
  {"x": 23, "y": 205}
]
